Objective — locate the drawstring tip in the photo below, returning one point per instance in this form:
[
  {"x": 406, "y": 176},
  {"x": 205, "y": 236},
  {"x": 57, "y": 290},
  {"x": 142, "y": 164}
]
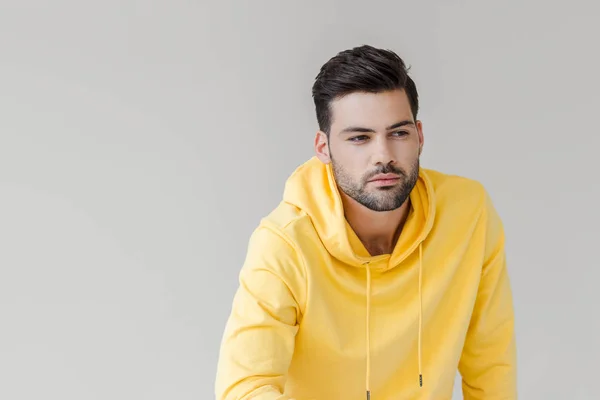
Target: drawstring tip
[
  {"x": 368, "y": 395},
  {"x": 420, "y": 380}
]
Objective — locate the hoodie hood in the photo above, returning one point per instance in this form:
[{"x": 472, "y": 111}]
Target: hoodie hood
[{"x": 312, "y": 188}]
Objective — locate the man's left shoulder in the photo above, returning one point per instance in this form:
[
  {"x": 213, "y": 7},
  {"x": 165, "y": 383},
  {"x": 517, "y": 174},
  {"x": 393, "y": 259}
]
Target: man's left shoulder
[{"x": 455, "y": 189}]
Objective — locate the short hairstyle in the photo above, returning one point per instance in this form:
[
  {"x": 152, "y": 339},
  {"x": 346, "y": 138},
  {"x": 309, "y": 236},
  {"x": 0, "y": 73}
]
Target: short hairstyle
[{"x": 360, "y": 69}]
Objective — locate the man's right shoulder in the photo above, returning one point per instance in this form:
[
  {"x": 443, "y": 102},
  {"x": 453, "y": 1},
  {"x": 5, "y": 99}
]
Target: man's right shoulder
[
  {"x": 276, "y": 246},
  {"x": 288, "y": 220},
  {"x": 285, "y": 229}
]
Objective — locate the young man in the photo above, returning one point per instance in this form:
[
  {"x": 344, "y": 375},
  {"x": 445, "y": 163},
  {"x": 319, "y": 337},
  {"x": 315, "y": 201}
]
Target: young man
[{"x": 373, "y": 277}]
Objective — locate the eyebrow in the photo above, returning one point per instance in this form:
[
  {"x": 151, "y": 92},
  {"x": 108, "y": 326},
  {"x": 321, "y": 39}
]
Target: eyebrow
[{"x": 352, "y": 129}]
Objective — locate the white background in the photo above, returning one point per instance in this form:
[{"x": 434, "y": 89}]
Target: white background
[{"x": 142, "y": 141}]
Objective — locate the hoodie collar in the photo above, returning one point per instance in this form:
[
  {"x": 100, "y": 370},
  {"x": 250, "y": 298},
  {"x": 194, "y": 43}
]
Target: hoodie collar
[{"x": 312, "y": 188}]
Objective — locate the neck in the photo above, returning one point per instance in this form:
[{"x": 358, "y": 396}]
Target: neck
[{"x": 378, "y": 231}]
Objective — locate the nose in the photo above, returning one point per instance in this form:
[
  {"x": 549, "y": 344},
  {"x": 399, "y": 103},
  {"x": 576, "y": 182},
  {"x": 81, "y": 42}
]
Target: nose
[{"x": 382, "y": 152}]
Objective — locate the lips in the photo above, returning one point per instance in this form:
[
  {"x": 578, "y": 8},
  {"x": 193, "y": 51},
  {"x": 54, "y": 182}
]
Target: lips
[{"x": 385, "y": 177}]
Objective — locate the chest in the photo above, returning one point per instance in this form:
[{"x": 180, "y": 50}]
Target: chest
[{"x": 391, "y": 303}]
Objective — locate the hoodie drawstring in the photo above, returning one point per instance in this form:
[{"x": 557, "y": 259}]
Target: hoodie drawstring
[
  {"x": 420, "y": 312},
  {"x": 368, "y": 331},
  {"x": 368, "y": 323}
]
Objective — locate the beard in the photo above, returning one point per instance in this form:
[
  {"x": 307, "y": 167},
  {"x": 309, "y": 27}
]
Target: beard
[{"x": 386, "y": 198}]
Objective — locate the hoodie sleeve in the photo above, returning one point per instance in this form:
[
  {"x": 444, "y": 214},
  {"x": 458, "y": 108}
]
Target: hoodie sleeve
[
  {"x": 258, "y": 342},
  {"x": 488, "y": 365}
]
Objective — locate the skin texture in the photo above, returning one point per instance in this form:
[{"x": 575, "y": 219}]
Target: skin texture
[{"x": 371, "y": 134}]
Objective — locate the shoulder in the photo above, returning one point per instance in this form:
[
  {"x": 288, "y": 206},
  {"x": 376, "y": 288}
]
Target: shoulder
[
  {"x": 452, "y": 190},
  {"x": 274, "y": 243},
  {"x": 273, "y": 256},
  {"x": 462, "y": 199},
  {"x": 443, "y": 182},
  {"x": 290, "y": 223}
]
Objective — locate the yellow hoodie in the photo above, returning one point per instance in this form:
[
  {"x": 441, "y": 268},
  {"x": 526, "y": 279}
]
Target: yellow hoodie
[{"x": 315, "y": 317}]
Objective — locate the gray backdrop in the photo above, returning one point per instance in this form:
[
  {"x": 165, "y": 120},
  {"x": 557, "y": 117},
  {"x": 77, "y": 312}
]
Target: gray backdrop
[{"x": 142, "y": 141}]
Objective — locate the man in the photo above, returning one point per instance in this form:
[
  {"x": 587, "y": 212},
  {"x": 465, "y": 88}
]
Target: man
[{"x": 373, "y": 277}]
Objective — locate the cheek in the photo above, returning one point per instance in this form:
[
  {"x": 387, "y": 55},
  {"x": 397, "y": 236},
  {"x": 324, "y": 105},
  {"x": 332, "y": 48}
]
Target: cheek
[
  {"x": 406, "y": 155},
  {"x": 349, "y": 169},
  {"x": 355, "y": 168}
]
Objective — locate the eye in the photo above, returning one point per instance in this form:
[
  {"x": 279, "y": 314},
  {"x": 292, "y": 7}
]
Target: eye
[
  {"x": 359, "y": 138},
  {"x": 400, "y": 133}
]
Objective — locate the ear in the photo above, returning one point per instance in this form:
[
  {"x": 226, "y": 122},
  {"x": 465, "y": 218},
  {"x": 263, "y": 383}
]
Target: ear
[
  {"x": 322, "y": 147},
  {"x": 421, "y": 138}
]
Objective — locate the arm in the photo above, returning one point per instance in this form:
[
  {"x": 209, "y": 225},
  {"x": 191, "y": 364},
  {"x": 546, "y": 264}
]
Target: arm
[
  {"x": 488, "y": 363},
  {"x": 258, "y": 342}
]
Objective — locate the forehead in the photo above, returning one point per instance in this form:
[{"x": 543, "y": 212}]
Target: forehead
[{"x": 370, "y": 110}]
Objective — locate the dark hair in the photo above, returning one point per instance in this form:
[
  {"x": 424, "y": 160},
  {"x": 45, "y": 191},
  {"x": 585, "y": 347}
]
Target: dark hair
[{"x": 360, "y": 69}]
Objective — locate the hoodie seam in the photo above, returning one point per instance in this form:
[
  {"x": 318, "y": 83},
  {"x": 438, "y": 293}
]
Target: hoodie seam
[
  {"x": 283, "y": 236},
  {"x": 490, "y": 256}
]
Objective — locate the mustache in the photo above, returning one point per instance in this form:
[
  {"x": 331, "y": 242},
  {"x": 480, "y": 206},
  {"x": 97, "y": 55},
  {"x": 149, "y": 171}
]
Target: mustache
[{"x": 386, "y": 169}]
